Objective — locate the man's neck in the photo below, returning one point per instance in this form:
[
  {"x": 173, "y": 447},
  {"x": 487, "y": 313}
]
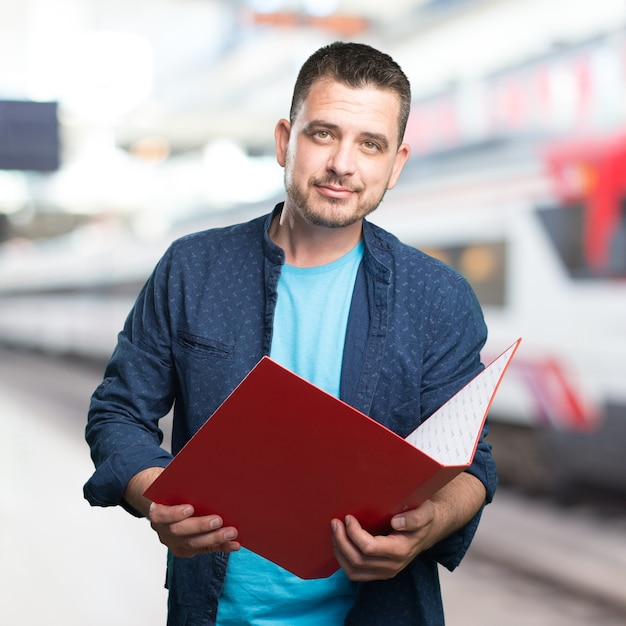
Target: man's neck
[{"x": 308, "y": 245}]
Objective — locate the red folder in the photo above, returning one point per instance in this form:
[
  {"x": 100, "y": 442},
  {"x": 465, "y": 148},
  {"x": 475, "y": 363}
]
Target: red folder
[{"x": 280, "y": 458}]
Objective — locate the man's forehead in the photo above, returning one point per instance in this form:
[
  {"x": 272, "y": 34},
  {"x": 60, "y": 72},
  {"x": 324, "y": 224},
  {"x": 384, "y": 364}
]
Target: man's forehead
[{"x": 333, "y": 94}]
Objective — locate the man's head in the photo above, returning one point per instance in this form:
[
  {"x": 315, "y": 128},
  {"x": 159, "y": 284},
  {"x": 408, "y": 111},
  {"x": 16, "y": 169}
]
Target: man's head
[
  {"x": 355, "y": 65},
  {"x": 342, "y": 147}
]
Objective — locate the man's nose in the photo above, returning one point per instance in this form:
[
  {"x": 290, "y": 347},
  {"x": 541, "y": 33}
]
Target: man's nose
[{"x": 342, "y": 160}]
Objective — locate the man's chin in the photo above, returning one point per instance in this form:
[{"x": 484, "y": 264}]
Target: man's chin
[
  {"x": 330, "y": 212},
  {"x": 336, "y": 220}
]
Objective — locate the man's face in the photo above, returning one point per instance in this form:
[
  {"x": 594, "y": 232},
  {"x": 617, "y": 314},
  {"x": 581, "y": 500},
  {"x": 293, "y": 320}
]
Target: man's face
[{"x": 341, "y": 153}]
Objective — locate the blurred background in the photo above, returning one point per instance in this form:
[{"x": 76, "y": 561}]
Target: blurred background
[{"x": 126, "y": 124}]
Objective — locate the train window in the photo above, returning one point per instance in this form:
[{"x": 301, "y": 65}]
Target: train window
[
  {"x": 484, "y": 266},
  {"x": 564, "y": 226},
  {"x": 589, "y": 246}
]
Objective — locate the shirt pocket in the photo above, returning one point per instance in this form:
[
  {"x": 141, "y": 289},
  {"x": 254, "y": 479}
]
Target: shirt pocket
[{"x": 204, "y": 346}]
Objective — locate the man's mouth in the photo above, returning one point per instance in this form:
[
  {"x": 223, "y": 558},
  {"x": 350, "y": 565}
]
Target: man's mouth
[{"x": 333, "y": 190}]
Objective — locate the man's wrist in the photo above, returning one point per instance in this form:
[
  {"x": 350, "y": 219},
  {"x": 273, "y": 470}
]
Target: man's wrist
[{"x": 133, "y": 494}]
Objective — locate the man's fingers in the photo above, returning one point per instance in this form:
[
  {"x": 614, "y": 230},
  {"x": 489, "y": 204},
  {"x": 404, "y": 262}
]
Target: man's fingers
[
  {"x": 180, "y": 519},
  {"x": 186, "y": 535},
  {"x": 162, "y": 514},
  {"x": 364, "y": 556},
  {"x": 357, "y": 565},
  {"x": 414, "y": 519},
  {"x": 196, "y": 536},
  {"x": 222, "y": 540},
  {"x": 366, "y": 543}
]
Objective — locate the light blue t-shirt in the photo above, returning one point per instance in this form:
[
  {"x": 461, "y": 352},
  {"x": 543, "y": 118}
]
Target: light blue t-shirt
[{"x": 308, "y": 338}]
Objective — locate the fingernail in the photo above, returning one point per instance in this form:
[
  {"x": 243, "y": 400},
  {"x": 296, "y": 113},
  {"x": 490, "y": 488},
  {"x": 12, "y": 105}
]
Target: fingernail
[
  {"x": 399, "y": 522},
  {"x": 230, "y": 534},
  {"x": 334, "y": 525}
]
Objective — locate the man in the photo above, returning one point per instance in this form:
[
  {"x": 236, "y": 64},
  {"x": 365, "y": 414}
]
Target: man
[{"x": 340, "y": 302}]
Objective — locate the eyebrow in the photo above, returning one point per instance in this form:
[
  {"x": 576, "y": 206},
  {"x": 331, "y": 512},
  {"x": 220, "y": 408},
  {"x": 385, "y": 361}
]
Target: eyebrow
[{"x": 369, "y": 136}]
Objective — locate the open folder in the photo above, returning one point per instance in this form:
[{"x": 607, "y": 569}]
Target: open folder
[{"x": 280, "y": 458}]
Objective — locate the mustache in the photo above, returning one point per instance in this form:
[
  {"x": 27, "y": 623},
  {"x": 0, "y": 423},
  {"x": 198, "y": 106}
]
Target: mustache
[{"x": 335, "y": 181}]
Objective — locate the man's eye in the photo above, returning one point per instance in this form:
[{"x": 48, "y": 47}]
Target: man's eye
[
  {"x": 370, "y": 145},
  {"x": 322, "y": 134}
]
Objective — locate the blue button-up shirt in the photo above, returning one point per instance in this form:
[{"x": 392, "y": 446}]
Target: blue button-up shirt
[{"x": 204, "y": 319}]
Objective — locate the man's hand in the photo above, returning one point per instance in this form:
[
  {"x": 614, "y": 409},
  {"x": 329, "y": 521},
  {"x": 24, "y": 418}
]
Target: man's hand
[
  {"x": 364, "y": 556},
  {"x": 176, "y": 527},
  {"x": 187, "y": 536}
]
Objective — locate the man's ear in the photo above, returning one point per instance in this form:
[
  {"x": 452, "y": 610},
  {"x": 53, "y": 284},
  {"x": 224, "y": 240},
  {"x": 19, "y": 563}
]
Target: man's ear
[
  {"x": 402, "y": 156},
  {"x": 282, "y": 133}
]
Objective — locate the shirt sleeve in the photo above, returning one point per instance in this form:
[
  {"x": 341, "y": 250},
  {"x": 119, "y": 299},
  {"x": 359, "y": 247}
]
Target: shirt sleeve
[
  {"x": 137, "y": 391},
  {"x": 460, "y": 333}
]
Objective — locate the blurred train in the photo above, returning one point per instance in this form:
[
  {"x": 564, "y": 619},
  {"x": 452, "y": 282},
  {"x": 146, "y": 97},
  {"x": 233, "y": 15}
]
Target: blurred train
[{"x": 539, "y": 231}]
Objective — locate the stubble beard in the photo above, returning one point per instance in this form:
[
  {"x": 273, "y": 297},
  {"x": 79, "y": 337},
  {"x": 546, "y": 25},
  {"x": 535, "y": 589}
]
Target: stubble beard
[{"x": 305, "y": 206}]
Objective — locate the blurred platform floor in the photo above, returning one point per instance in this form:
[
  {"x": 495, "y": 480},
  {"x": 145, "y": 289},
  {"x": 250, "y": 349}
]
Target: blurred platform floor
[{"x": 63, "y": 562}]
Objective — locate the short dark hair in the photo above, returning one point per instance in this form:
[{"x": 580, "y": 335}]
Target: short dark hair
[{"x": 354, "y": 65}]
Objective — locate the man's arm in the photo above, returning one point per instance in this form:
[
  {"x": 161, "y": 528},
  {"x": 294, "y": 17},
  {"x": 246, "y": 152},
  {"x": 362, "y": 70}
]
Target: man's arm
[{"x": 366, "y": 557}]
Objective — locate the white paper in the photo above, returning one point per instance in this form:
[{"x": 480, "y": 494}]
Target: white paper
[{"x": 450, "y": 434}]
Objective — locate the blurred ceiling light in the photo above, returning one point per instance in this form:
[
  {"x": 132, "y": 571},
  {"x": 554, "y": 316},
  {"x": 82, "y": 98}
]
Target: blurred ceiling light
[
  {"x": 14, "y": 193},
  {"x": 234, "y": 177},
  {"x": 108, "y": 74},
  {"x": 151, "y": 149},
  {"x": 103, "y": 179},
  {"x": 315, "y": 8}
]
